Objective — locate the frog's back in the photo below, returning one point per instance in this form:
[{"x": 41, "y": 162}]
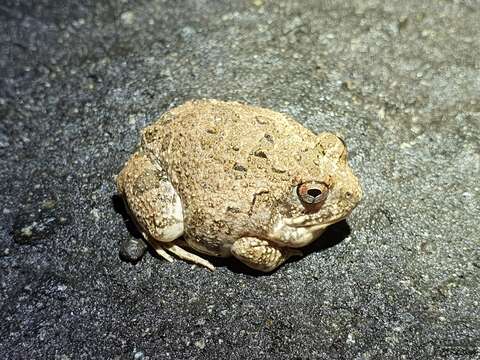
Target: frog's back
[
  {"x": 218, "y": 155},
  {"x": 208, "y": 125}
]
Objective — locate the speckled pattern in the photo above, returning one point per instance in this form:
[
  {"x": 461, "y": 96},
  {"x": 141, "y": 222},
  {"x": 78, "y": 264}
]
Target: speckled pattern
[
  {"x": 232, "y": 171},
  {"x": 399, "y": 80}
]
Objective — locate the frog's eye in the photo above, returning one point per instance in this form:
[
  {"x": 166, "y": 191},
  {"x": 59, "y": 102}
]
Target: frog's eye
[{"x": 312, "y": 193}]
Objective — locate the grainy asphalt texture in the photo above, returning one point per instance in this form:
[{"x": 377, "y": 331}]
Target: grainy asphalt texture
[{"x": 399, "y": 81}]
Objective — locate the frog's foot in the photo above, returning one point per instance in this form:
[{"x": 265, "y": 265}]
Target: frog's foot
[
  {"x": 162, "y": 248},
  {"x": 261, "y": 254}
]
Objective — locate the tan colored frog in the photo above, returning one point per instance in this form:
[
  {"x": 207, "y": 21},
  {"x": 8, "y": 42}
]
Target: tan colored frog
[{"x": 238, "y": 180}]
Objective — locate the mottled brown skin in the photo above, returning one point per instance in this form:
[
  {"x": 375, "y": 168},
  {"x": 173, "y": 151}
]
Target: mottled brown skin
[{"x": 236, "y": 170}]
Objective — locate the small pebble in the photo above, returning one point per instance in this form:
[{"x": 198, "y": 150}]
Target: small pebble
[
  {"x": 200, "y": 344},
  {"x": 132, "y": 250},
  {"x": 139, "y": 355}
]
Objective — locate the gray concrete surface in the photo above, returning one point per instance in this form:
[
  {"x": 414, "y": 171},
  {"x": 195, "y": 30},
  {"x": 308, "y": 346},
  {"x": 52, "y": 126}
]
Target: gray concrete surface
[{"x": 399, "y": 80}]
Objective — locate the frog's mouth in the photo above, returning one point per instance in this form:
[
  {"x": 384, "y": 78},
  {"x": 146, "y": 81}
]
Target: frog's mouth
[
  {"x": 312, "y": 221},
  {"x": 302, "y": 230}
]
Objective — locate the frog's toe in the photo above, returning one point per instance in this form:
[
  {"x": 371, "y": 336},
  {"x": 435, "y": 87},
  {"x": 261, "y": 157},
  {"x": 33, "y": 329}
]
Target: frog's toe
[
  {"x": 159, "y": 249},
  {"x": 188, "y": 256}
]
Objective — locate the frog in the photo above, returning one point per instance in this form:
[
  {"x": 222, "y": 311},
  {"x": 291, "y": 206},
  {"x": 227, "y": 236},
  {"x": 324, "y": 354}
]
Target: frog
[{"x": 228, "y": 179}]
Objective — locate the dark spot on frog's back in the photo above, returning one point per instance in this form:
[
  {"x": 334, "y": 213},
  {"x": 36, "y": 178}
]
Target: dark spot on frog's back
[
  {"x": 260, "y": 153},
  {"x": 151, "y": 134},
  {"x": 239, "y": 167},
  {"x": 235, "y": 117},
  {"x": 262, "y": 120},
  {"x": 278, "y": 170},
  {"x": 233, "y": 209},
  {"x": 269, "y": 138}
]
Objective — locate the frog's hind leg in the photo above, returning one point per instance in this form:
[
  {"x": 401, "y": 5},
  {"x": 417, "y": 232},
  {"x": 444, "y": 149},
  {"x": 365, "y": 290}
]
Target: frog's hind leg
[
  {"x": 151, "y": 200},
  {"x": 155, "y": 207}
]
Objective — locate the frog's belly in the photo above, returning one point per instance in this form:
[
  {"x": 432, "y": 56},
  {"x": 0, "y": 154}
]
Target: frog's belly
[{"x": 210, "y": 246}]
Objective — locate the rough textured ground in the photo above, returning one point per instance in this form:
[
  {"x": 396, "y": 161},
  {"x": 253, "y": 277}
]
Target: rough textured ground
[{"x": 401, "y": 82}]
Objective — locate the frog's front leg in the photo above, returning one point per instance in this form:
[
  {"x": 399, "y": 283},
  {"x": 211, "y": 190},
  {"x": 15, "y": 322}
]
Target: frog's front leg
[
  {"x": 291, "y": 233},
  {"x": 261, "y": 254},
  {"x": 155, "y": 207}
]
